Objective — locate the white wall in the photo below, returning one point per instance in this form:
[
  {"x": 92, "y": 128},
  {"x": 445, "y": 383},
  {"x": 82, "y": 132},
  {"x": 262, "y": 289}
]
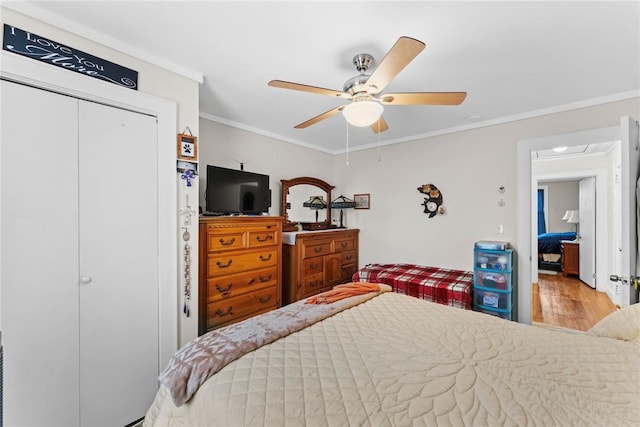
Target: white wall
[
  {"x": 226, "y": 146},
  {"x": 467, "y": 167},
  {"x": 563, "y": 195}
]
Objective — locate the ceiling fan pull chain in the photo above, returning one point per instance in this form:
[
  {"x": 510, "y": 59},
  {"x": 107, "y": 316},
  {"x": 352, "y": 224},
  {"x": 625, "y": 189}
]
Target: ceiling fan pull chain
[
  {"x": 347, "y": 124},
  {"x": 379, "y": 151}
]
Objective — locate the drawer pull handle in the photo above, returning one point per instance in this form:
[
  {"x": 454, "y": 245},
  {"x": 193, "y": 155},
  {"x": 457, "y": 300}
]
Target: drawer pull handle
[
  {"x": 221, "y": 313},
  {"x": 318, "y": 249},
  {"x": 265, "y": 258},
  {"x": 266, "y": 299},
  {"x": 221, "y": 265},
  {"x": 265, "y": 279},
  {"x": 228, "y": 243},
  {"x": 265, "y": 238},
  {"x": 224, "y": 290},
  {"x": 314, "y": 283},
  {"x": 344, "y": 245},
  {"x": 313, "y": 266},
  {"x": 348, "y": 257},
  {"x": 252, "y": 281}
]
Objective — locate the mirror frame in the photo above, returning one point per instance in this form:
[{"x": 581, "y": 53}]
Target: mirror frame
[{"x": 323, "y": 185}]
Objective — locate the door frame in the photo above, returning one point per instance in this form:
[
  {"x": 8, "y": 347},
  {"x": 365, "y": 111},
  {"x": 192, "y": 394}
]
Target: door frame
[
  {"x": 602, "y": 212},
  {"x": 33, "y": 73},
  {"x": 527, "y": 188}
]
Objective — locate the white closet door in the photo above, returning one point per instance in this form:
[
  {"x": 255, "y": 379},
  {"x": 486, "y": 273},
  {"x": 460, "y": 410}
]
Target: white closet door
[
  {"x": 119, "y": 335},
  {"x": 39, "y": 257}
]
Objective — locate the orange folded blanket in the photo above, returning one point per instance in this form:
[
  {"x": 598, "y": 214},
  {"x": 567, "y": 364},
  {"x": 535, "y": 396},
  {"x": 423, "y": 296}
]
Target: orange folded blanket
[{"x": 343, "y": 291}]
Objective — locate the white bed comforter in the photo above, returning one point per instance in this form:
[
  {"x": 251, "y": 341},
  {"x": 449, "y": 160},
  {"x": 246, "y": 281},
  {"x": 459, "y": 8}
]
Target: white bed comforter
[{"x": 398, "y": 361}]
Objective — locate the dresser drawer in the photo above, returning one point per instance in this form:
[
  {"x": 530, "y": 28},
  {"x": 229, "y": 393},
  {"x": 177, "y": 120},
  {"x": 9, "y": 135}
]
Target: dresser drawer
[
  {"x": 317, "y": 249},
  {"x": 225, "y": 287},
  {"x": 223, "y": 264},
  {"x": 312, "y": 266},
  {"x": 347, "y": 271},
  {"x": 231, "y": 240},
  {"x": 345, "y": 245},
  {"x": 349, "y": 257},
  {"x": 262, "y": 238},
  {"x": 244, "y": 305},
  {"x": 312, "y": 284}
]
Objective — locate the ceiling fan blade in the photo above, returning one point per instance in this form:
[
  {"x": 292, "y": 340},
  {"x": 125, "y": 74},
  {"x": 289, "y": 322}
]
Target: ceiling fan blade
[
  {"x": 401, "y": 54},
  {"x": 319, "y": 117},
  {"x": 380, "y": 126},
  {"x": 423, "y": 98},
  {"x": 306, "y": 88}
]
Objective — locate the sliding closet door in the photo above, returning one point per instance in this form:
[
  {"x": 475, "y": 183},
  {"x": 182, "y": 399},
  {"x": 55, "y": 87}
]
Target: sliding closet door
[
  {"x": 39, "y": 256},
  {"x": 118, "y": 264}
]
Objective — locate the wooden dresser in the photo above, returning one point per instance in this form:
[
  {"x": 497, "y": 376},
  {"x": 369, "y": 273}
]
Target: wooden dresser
[
  {"x": 570, "y": 258},
  {"x": 240, "y": 269},
  {"x": 317, "y": 261}
]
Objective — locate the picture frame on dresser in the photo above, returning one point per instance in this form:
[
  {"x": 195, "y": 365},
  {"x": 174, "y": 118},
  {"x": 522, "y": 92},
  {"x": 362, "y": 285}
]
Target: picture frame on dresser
[{"x": 362, "y": 201}]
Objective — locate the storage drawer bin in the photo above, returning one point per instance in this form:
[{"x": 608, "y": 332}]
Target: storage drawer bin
[
  {"x": 492, "y": 298},
  {"x": 492, "y": 280},
  {"x": 504, "y": 314},
  {"x": 492, "y": 245},
  {"x": 494, "y": 260}
]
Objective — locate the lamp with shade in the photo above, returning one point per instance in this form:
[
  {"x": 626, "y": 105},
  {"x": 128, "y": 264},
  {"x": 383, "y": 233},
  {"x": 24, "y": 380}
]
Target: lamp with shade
[
  {"x": 316, "y": 203},
  {"x": 572, "y": 217},
  {"x": 341, "y": 202}
]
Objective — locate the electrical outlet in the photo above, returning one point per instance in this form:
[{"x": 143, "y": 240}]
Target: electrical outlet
[{"x": 500, "y": 229}]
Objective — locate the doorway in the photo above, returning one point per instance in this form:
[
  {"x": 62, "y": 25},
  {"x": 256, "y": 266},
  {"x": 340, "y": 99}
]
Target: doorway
[
  {"x": 527, "y": 195},
  {"x": 558, "y": 299}
]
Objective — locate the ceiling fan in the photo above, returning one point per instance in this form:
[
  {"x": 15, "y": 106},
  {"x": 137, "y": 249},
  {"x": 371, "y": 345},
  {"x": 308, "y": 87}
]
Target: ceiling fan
[{"x": 364, "y": 90}]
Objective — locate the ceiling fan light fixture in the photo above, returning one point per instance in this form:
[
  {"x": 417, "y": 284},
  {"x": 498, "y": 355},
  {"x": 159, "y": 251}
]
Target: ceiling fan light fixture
[{"x": 362, "y": 113}]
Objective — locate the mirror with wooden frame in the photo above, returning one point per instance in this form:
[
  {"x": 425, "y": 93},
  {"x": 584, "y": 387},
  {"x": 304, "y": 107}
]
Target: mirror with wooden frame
[{"x": 298, "y": 207}]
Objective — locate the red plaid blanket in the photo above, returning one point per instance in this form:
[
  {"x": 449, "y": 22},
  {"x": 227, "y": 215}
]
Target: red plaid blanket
[{"x": 441, "y": 285}]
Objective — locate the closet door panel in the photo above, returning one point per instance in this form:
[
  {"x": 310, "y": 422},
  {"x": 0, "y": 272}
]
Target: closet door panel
[
  {"x": 39, "y": 256},
  {"x": 119, "y": 261}
]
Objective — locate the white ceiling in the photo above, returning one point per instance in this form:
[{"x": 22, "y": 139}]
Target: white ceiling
[
  {"x": 515, "y": 59},
  {"x": 601, "y": 148}
]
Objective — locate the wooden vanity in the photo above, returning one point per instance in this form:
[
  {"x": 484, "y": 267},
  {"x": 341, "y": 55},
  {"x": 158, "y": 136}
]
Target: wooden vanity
[{"x": 315, "y": 261}]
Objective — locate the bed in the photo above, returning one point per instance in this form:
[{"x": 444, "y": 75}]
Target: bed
[
  {"x": 441, "y": 285},
  {"x": 387, "y": 359},
  {"x": 550, "y": 250}
]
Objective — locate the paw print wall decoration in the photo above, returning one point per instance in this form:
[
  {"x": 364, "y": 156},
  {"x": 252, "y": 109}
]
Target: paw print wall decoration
[{"x": 432, "y": 201}]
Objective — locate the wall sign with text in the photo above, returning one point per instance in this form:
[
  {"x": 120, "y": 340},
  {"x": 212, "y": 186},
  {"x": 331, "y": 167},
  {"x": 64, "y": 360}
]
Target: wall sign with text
[{"x": 53, "y": 53}]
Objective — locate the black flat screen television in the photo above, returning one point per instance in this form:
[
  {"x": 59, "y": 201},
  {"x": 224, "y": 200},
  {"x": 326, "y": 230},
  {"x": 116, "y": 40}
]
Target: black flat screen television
[{"x": 231, "y": 191}]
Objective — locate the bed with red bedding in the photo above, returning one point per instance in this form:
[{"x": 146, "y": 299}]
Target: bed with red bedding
[{"x": 441, "y": 285}]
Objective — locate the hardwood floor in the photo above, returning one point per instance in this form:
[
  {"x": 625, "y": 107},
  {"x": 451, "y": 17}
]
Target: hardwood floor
[{"x": 568, "y": 302}]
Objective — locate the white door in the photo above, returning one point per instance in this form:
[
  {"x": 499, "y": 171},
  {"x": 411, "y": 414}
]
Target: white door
[
  {"x": 587, "y": 230},
  {"x": 617, "y": 232},
  {"x": 629, "y": 240},
  {"x": 118, "y": 204},
  {"x": 79, "y": 260},
  {"x": 39, "y": 257}
]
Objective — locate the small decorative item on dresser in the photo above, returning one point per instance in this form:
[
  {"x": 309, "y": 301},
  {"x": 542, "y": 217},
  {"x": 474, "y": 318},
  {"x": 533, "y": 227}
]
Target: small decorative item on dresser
[{"x": 362, "y": 201}]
